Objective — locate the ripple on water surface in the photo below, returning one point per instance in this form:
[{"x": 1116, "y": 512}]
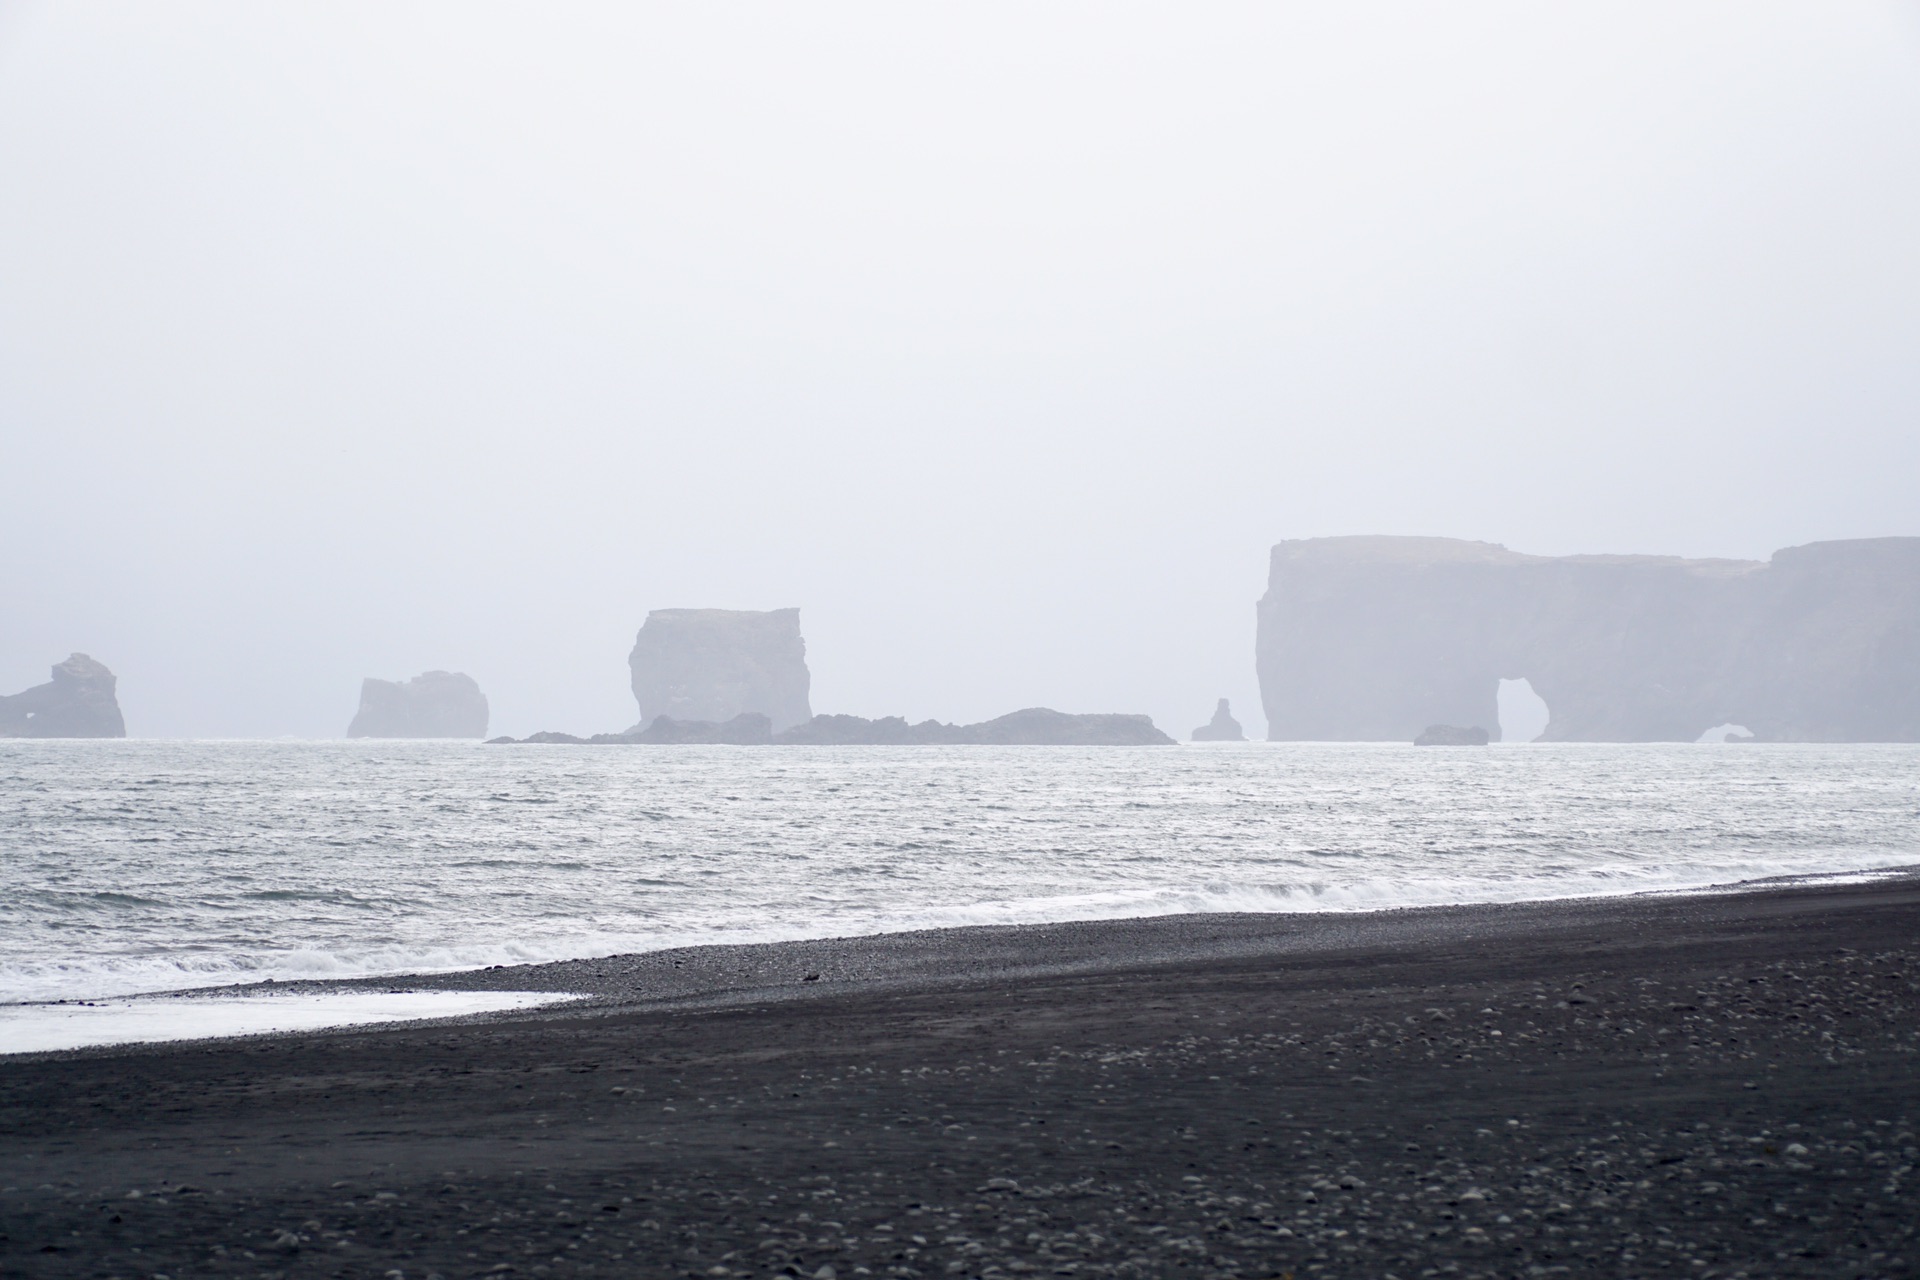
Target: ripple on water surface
[{"x": 138, "y": 866}]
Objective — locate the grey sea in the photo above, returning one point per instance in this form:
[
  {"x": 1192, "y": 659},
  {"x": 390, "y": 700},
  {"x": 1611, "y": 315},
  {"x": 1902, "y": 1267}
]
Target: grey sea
[{"x": 138, "y": 866}]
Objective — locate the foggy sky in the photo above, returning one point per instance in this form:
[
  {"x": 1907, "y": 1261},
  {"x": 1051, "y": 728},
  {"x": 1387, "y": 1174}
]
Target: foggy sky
[{"x": 1003, "y": 340}]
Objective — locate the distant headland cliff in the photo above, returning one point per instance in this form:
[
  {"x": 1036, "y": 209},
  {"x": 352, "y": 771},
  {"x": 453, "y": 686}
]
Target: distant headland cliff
[
  {"x": 78, "y": 702},
  {"x": 1375, "y": 638},
  {"x": 434, "y": 704}
]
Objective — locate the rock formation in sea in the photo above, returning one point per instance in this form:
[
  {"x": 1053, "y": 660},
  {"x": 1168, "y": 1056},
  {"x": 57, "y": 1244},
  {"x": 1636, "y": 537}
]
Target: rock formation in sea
[
  {"x": 857, "y": 731},
  {"x": 1452, "y": 735},
  {"x": 435, "y": 704},
  {"x": 1377, "y": 637},
  {"x": 712, "y": 665},
  {"x": 748, "y": 729},
  {"x": 1033, "y": 727},
  {"x": 1044, "y": 727},
  {"x": 78, "y": 702},
  {"x": 1222, "y": 728}
]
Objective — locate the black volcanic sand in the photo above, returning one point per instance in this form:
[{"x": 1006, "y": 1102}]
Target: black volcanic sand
[{"x": 1719, "y": 1085}]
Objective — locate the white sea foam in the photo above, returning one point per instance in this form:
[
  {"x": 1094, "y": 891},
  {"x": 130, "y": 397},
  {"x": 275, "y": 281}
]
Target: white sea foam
[
  {"x": 41, "y": 1028},
  {"x": 145, "y": 866}
]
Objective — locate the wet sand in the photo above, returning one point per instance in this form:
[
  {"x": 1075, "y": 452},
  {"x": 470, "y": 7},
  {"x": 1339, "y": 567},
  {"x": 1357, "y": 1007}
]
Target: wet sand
[{"x": 1701, "y": 1086}]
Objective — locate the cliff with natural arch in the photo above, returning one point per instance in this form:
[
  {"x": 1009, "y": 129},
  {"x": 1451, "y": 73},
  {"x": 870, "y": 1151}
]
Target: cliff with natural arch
[{"x": 1374, "y": 638}]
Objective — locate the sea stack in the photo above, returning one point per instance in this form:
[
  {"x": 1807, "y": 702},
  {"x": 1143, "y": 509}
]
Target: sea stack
[
  {"x": 1375, "y": 638},
  {"x": 434, "y": 704},
  {"x": 712, "y": 665},
  {"x": 1222, "y": 728},
  {"x": 78, "y": 702}
]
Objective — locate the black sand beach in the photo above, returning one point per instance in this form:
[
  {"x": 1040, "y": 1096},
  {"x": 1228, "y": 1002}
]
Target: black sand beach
[{"x": 1717, "y": 1085}]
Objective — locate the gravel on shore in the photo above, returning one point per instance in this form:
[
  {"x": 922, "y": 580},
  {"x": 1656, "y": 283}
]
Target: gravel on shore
[{"x": 1717, "y": 1085}]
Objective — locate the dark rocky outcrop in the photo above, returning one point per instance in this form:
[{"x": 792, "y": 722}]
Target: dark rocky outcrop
[
  {"x": 78, "y": 702},
  {"x": 858, "y": 731},
  {"x": 1222, "y": 728},
  {"x": 1452, "y": 735},
  {"x": 1042, "y": 727},
  {"x": 748, "y": 729},
  {"x": 1033, "y": 727},
  {"x": 435, "y": 704},
  {"x": 1375, "y": 637},
  {"x": 713, "y": 664}
]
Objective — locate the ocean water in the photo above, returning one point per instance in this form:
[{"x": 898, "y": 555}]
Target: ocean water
[{"x": 139, "y": 866}]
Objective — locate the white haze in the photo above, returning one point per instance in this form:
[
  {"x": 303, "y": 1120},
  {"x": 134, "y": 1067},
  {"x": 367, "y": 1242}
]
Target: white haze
[{"x": 1004, "y": 340}]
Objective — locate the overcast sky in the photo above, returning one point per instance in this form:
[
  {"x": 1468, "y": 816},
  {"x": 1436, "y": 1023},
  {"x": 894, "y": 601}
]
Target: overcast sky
[{"x": 1004, "y": 340}]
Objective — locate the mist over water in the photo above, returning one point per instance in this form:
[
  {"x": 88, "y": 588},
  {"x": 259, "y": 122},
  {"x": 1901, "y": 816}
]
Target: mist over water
[
  {"x": 137, "y": 866},
  {"x": 1003, "y": 340}
]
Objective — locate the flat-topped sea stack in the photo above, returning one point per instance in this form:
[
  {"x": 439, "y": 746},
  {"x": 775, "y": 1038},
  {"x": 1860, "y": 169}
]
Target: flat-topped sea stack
[
  {"x": 79, "y": 702},
  {"x": 1222, "y": 728},
  {"x": 711, "y": 665},
  {"x": 434, "y": 704},
  {"x": 1376, "y": 638}
]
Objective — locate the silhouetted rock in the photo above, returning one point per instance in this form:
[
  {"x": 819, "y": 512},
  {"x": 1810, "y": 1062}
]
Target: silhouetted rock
[
  {"x": 1371, "y": 638},
  {"x": 1451, "y": 735},
  {"x": 436, "y": 704},
  {"x": 1042, "y": 727},
  {"x": 748, "y": 729},
  {"x": 1033, "y": 727},
  {"x": 78, "y": 702},
  {"x": 713, "y": 664},
  {"x": 548, "y": 736},
  {"x": 857, "y": 731},
  {"x": 1036, "y": 726},
  {"x": 1222, "y": 728}
]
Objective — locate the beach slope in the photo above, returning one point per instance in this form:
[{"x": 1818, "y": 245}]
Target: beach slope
[{"x": 1701, "y": 1085}]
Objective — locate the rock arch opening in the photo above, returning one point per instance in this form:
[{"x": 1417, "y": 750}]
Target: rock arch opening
[{"x": 1523, "y": 713}]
